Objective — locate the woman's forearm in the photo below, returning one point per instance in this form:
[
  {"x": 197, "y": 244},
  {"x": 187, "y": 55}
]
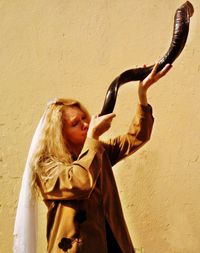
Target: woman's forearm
[{"x": 142, "y": 97}]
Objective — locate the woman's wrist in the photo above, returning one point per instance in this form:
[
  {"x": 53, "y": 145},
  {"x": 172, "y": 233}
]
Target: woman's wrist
[
  {"x": 92, "y": 135},
  {"x": 143, "y": 98}
]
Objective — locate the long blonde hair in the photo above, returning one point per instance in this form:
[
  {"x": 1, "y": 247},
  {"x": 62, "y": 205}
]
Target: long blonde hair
[{"x": 52, "y": 146}]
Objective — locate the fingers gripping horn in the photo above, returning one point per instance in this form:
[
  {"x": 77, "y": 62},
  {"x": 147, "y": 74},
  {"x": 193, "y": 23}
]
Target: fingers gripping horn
[{"x": 180, "y": 34}]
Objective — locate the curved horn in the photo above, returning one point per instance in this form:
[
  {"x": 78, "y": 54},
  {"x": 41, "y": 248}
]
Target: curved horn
[{"x": 180, "y": 33}]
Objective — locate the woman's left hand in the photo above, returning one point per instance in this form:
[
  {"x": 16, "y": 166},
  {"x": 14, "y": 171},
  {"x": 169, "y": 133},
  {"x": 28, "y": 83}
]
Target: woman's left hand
[{"x": 153, "y": 77}]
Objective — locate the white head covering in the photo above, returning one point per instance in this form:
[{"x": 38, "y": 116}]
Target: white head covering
[{"x": 26, "y": 222}]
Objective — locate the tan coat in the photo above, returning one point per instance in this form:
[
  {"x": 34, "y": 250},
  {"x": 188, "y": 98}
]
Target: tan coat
[{"x": 82, "y": 197}]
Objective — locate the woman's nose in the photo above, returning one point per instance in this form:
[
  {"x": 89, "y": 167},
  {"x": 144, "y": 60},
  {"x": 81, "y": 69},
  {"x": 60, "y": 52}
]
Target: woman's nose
[{"x": 85, "y": 125}]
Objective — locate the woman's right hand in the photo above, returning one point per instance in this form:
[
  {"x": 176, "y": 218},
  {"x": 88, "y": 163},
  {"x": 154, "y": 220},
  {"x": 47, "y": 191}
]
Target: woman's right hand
[{"x": 99, "y": 125}]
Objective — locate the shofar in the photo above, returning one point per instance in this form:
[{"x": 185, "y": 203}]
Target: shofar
[{"x": 180, "y": 33}]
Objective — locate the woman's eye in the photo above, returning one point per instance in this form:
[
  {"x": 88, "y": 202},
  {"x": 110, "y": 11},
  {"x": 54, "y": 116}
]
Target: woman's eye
[{"x": 75, "y": 123}]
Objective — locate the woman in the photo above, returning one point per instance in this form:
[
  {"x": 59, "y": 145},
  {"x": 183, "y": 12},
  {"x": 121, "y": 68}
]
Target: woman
[{"x": 72, "y": 169}]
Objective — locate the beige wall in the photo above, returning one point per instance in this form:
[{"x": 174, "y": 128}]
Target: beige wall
[{"x": 74, "y": 48}]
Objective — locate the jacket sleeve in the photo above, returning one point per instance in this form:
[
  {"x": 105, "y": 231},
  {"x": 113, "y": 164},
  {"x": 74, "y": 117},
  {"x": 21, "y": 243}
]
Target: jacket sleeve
[
  {"x": 138, "y": 134},
  {"x": 72, "y": 181}
]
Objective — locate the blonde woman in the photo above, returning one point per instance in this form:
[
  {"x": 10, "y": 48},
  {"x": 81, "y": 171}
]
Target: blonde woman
[{"x": 72, "y": 170}]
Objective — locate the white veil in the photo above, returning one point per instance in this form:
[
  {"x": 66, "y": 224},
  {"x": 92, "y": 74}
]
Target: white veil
[{"x": 25, "y": 229}]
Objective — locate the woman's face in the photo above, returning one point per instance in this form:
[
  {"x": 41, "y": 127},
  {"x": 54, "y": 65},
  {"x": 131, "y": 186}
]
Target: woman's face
[{"x": 75, "y": 125}]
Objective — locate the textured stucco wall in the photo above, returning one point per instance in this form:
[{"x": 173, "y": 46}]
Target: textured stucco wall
[{"x": 74, "y": 48}]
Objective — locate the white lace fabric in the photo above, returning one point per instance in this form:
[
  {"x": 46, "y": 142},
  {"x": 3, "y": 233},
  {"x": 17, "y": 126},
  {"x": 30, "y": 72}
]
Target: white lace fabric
[{"x": 26, "y": 227}]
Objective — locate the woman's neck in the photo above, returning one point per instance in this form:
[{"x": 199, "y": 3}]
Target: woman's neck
[{"x": 75, "y": 150}]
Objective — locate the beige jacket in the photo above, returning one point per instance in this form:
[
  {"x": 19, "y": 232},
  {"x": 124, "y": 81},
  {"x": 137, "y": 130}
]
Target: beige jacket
[{"x": 82, "y": 197}]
